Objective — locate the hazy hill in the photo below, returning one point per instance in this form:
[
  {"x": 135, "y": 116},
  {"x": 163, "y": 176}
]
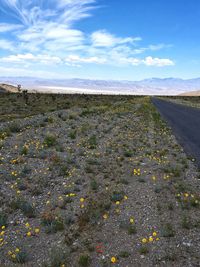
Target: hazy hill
[
  {"x": 154, "y": 86},
  {"x": 192, "y": 93},
  {"x": 8, "y": 88}
]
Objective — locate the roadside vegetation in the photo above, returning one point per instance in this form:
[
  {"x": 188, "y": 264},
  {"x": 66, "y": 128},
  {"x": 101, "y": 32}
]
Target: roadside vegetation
[
  {"x": 94, "y": 181},
  {"x": 191, "y": 101}
]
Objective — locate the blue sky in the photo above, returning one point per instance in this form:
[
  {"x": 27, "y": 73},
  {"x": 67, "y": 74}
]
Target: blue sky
[{"x": 100, "y": 39}]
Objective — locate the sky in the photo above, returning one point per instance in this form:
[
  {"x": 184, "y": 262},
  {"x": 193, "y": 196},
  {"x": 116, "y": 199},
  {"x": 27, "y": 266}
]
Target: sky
[{"x": 100, "y": 39}]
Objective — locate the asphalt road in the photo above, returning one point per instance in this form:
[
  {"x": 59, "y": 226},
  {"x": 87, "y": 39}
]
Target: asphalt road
[{"x": 185, "y": 123}]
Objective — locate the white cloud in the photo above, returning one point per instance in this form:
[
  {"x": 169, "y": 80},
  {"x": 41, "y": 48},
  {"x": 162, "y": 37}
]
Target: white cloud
[
  {"x": 103, "y": 38},
  {"x": 16, "y": 71},
  {"x": 78, "y": 59},
  {"x": 23, "y": 58},
  {"x": 51, "y": 37},
  {"x": 158, "y": 62},
  {"x": 148, "y": 61},
  {"x": 5, "y": 27},
  {"x": 6, "y": 45},
  {"x": 47, "y": 35}
]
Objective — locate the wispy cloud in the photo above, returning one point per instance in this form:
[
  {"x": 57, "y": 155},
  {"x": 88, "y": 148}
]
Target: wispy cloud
[
  {"x": 45, "y": 33},
  {"x": 6, "y": 45},
  {"x": 5, "y": 27},
  {"x": 30, "y": 12},
  {"x": 30, "y": 58}
]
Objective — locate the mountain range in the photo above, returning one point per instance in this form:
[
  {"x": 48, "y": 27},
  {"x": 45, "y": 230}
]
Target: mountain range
[{"x": 153, "y": 86}]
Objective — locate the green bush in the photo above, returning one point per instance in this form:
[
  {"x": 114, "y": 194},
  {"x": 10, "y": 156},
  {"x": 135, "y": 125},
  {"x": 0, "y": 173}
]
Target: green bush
[
  {"x": 3, "y": 219},
  {"x": 50, "y": 140},
  {"x": 84, "y": 260},
  {"x": 26, "y": 207}
]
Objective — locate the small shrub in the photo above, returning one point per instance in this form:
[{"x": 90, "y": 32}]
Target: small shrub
[
  {"x": 14, "y": 127},
  {"x": 21, "y": 257},
  {"x": 194, "y": 202},
  {"x": 124, "y": 254},
  {"x": 24, "y": 150},
  {"x": 84, "y": 260},
  {"x": 94, "y": 185},
  {"x": 123, "y": 181},
  {"x": 88, "y": 169},
  {"x": 58, "y": 257},
  {"x": 170, "y": 206},
  {"x": 168, "y": 230},
  {"x": 26, "y": 170},
  {"x": 141, "y": 180},
  {"x": 132, "y": 229},
  {"x": 50, "y": 120},
  {"x": 72, "y": 134},
  {"x": 128, "y": 154},
  {"x": 144, "y": 250},
  {"x": 69, "y": 220},
  {"x": 50, "y": 140},
  {"x": 52, "y": 222},
  {"x": 92, "y": 142},
  {"x": 158, "y": 189},
  {"x": 117, "y": 196},
  {"x": 26, "y": 207},
  {"x": 64, "y": 170},
  {"x": 3, "y": 219},
  {"x": 186, "y": 223}
]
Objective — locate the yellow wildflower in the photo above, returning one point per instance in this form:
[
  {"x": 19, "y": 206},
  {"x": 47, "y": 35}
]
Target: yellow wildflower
[
  {"x": 154, "y": 234},
  {"x": 37, "y": 230},
  {"x": 154, "y": 178},
  {"x": 150, "y": 239},
  {"x": 144, "y": 240},
  {"x": 105, "y": 216},
  {"x": 28, "y": 234},
  {"x": 117, "y": 210},
  {"x": 113, "y": 260}
]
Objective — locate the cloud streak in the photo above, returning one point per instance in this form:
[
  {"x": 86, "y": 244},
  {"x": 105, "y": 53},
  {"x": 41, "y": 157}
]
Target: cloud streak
[
  {"x": 30, "y": 12},
  {"x": 45, "y": 33}
]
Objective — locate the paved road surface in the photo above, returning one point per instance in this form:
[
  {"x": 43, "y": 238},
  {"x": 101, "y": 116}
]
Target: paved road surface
[{"x": 185, "y": 122}]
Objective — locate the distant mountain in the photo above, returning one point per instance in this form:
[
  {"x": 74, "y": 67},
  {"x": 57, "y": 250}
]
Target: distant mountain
[{"x": 154, "y": 86}]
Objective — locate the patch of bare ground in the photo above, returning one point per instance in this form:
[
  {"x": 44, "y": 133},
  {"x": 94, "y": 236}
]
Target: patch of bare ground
[{"x": 94, "y": 181}]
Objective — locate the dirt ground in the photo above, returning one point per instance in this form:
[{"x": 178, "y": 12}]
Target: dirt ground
[{"x": 94, "y": 181}]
